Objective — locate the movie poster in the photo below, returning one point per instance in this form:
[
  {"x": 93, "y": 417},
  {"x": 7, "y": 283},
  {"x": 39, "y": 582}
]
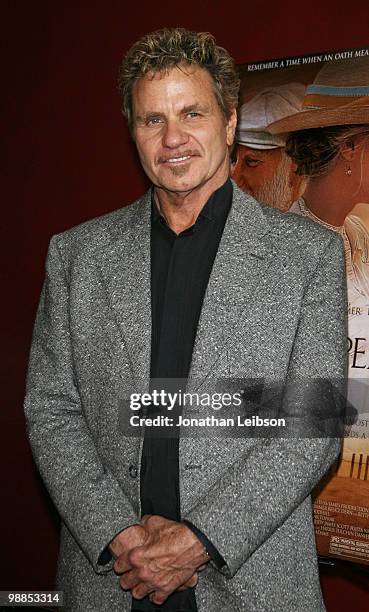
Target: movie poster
[{"x": 303, "y": 147}]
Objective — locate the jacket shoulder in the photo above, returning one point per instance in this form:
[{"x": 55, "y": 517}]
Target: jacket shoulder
[
  {"x": 292, "y": 224},
  {"x": 305, "y": 239},
  {"x": 298, "y": 240},
  {"x": 291, "y": 228},
  {"x": 94, "y": 234}
]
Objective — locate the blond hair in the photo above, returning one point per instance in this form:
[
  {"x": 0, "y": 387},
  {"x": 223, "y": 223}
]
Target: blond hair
[{"x": 158, "y": 52}]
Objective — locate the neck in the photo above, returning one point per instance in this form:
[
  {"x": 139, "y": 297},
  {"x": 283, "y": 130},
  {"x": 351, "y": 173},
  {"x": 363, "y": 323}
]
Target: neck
[
  {"x": 181, "y": 209},
  {"x": 329, "y": 199}
]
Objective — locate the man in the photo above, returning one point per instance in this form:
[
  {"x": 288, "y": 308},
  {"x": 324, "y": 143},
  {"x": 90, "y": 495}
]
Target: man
[
  {"x": 260, "y": 165},
  {"x": 193, "y": 281}
]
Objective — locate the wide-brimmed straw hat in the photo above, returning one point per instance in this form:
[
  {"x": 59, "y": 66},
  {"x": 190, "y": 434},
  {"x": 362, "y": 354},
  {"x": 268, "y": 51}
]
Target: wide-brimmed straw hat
[{"x": 339, "y": 95}]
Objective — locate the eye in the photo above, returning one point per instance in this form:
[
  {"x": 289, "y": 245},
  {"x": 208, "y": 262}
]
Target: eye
[
  {"x": 252, "y": 163},
  {"x": 154, "y": 120},
  {"x": 193, "y": 115}
]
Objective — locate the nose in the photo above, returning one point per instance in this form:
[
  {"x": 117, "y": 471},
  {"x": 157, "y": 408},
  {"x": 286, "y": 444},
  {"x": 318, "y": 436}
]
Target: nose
[{"x": 174, "y": 135}]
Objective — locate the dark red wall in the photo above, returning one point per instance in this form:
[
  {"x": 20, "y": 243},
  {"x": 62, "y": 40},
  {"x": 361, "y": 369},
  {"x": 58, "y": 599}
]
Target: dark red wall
[{"x": 68, "y": 157}]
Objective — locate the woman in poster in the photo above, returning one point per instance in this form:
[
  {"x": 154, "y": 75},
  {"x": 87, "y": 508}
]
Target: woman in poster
[
  {"x": 329, "y": 143},
  {"x": 336, "y": 160}
]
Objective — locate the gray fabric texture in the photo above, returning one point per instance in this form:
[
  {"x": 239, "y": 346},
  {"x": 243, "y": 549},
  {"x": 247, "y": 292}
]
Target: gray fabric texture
[{"x": 275, "y": 308}]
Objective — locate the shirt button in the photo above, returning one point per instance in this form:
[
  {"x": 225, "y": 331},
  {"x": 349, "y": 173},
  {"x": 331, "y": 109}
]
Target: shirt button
[{"x": 132, "y": 471}]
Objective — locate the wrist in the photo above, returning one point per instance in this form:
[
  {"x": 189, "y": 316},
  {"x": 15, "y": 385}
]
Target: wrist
[
  {"x": 212, "y": 552},
  {"x": 201, "y": 553}
]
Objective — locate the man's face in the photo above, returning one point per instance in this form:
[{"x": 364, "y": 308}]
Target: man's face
[
  {"x": 268, "y": 175},
  {"x": 182, "y": 137}
]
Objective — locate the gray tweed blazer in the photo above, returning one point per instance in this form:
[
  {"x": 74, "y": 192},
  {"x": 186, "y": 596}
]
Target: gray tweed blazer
[{"x": 275, "y": 308}]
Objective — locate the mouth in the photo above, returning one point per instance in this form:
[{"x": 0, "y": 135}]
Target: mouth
[{"x": 176, "y": 160}]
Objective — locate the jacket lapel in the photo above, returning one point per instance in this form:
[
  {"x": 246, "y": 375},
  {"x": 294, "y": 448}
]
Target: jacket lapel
[
  {"x": 244, "y": 254},
  {"x": 125, "y": 266}
]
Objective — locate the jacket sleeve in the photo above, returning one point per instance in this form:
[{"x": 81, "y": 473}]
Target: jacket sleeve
[
  {"x": 262, "y": 489},
  {"x": 88, "y": 497}
]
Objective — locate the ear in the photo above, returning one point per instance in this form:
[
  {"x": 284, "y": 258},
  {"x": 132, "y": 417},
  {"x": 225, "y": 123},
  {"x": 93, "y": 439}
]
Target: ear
[
  {"x": 235, "y": 158},
  {"x": 349, "y": 149},
  {"x": 231, "y": 127}
]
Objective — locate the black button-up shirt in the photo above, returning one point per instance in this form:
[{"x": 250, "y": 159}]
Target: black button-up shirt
[{"x": 180, "y": 269}]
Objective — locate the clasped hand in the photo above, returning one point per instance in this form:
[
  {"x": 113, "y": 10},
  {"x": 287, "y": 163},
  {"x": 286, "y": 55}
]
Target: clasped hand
[{"x": 157, "y": 557}]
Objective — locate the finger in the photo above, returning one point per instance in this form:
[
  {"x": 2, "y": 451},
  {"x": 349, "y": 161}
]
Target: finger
[
  {"x": 158, "y": 597},
  {"x": 122, "y": 563},
  {"x": 137, "y": 537},
  {"x": 145, "y": 518},
  {"x": 168, "y": 586},
  {"x": 192, "y": 582},
  {"x": 129, "y": 559},
  {"x": 141, "y": 590},
  {"x": 126, "y": 540},
  {"x": 129, "y": 580}
]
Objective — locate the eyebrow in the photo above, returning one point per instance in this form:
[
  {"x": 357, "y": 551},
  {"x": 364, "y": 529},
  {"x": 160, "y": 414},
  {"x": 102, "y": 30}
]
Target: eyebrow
[
  {"x": 257, "y": 155},
  {"x": 186, "y": 109},
  {"x": 147, "y": 116},
  {"x": 195, "y": 107}
]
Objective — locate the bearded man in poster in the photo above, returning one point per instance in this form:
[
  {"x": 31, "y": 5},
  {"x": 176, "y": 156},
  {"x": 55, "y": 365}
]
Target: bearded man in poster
[
  {"x": 193, "y": 280},
  {"x": 260, "y": 165}
]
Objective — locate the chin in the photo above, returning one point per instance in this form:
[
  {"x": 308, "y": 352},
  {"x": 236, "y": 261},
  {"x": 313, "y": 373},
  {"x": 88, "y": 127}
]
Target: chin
[{"x": 179, "y": 184}]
